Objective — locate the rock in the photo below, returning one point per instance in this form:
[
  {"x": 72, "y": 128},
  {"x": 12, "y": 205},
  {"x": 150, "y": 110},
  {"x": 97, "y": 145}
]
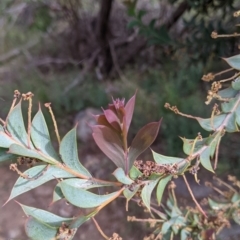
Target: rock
[{"x": 85, "y": 119}]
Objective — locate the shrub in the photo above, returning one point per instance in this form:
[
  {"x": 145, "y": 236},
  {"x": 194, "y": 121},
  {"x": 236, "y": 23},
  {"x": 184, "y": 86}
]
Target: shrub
[{"x": 135, "y": 179}]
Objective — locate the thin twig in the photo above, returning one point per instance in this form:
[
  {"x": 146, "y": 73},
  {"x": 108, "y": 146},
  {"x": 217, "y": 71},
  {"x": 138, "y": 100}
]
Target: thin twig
[
  {"x": 224, "y": 71},
  {"x": 225, "y": 184},
  {"x": 48, "y": 105},
  {"x": 231, "y": 78},
  {"x": 192, "y": 195},
  {"x": 115, "y": 62},
  {"x": 216, "y": 154},
  {"x": 99, "y": 229}
]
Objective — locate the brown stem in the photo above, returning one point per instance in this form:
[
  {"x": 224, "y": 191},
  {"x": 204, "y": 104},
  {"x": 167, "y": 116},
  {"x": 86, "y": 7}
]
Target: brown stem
[
  {"x": 99, "y": 229},
  {"x": 29, "y": 121},
  {"x": 48, "y": 105},
  {"x": 224, "y": 71},
  {"x": 177, "y": 14},
  {"x": 111, "y": 199},
  {"x": 193, "y": 197}
]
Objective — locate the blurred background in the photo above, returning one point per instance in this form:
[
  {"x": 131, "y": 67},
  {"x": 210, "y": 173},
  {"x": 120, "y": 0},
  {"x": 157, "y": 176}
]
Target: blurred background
[{"x": 77, "y": 54}]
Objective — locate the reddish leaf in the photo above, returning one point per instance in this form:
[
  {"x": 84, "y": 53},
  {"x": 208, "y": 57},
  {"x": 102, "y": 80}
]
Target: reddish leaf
[
  {"x": 109, "y": 142},
  {"x": 101, "y": 120},
  {"x": 142, "y": 141},
  {"x": 112, "y": 119},
  {"x": 129, "y": 108}
]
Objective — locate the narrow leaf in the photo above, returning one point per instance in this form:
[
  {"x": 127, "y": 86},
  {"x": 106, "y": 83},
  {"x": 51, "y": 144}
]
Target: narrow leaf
[
  {"x": 233, "y": 61},
  {"x": 109, "y": 142},
  {"x": 57, "y": 194},
  {"x": 235, "y": 197},
  {"x": 69, "y": 153},
  {"x": 236, "y": 216},
  {"x": 121, "y": 177},
  {"x": 40, "y": 136},
  {"x": 134, "y": 173},
  {"x": 228, "y": 106},
  {"x": 217, "y": 206},
  {"x": 212, "y": 124},
  {"x": 236, "y": 84},
  {"x": 39, "y": 231},
  {"x": 112, "y": 119},
  {"x": 4, "y": 156},
  {"x": 144, "y": 138},
  {"x": 5, "y": 140},
  {"x": 78, "y": 183},
  {"x": 129, "y": 108},
  {"x": 101, "y": 120},
  {"x": 44, "y": 216},
  {"x": 42, "y": 175},
  {"x": 78, "y": 221},
  {"x": 129, "y": 193},
  {"x": 24, "y": 151},
  {"x": 147, "y": 192},
  {"x": 184, "y": 234},
  {"x": 82, "y": 198},
  {"x": 205, "y": 159},
  {"x": 161, "y": 159},
  {"x": 228, "y": 92},
  {"x": 15, "y": 125},
  {"x": 161, "y": 187}
]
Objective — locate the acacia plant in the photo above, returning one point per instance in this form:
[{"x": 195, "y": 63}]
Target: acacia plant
[{"x": 135, "y": 179}]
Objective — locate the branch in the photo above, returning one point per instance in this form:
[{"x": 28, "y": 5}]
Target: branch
[{"x": 177, "y": 14}]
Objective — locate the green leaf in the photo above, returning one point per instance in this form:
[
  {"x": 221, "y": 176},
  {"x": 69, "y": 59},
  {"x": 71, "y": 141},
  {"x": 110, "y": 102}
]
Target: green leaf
[
  {"x": 4, "y": 156},
  {"x": 211, "y": 141},
  {"x": 24, "y": 151},
  {"x": 184, "y": 234},
  {"x": 44, "y": 216},
  {"x": 134, "y": 173},
  {"x": 78, "y": 221},
  {"x": 228, "y": 106},
  {"x": 15, "y": 125},
  {"x": 147, "y": 192},
  {"x": 182, "y": 163},
  {"x": 205, "y": 159},
  {"x": 69, "y": 153},
  {"x": 42, "y": 173},
  {"x": 235, "y": 197},
  {"x": 236, "y": 216},
  {"x": 57, "y": 194},
  {"x": 39, "y": 231},
  {"x": 78, "y": 183},
  {"x": 161, "y": 187},
  {"x": 237, "y": 115},
  {"x": 166, "y": 226},
  {"x": 212, "y": 124},
  {"x": 228, "y": 93},
  {"x": 129, "y": 193},
  {"x": 82, "y": 198},
  {"x": 178, "y": 223},
  {"x": 5, "y": 140},
  {"x": 144, "y": 138},
  {"x": 161, "y": 159},
  {"x": 236, "y": 84},
  {"x": 233, "y": 61},
  {"x": 217, "y": 206},
  {"x": 231, "y": 125},
  {"x": 40, "y": 136},
  {"x": 121, "y": 177}
]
